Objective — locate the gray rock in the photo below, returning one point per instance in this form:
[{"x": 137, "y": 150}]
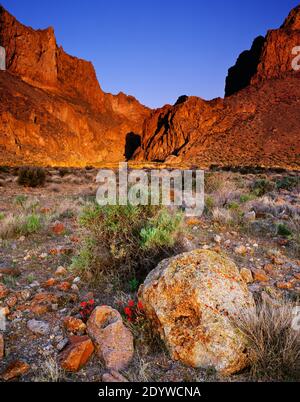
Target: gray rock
[{"x": 38, "y": 327}]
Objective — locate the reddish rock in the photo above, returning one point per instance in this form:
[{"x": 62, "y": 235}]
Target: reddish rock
[
  {"x": 261, "y": 276},
  {"x": 47, "y": 94},
  {"x": 246, "y": 274},
  {"x": 285, "y": 285},
  {"x": 61, "y": 271},
  {"x": 77, "y": 354},
  {"x": 64, "y": 286},
  {"x": 11, "y": 301},
  {"x": 3, "y": 291},
  {"x": 113, "y": 376},
  {"x": 58, "y": 228},
  {"x": 9, "y": 271},
  {"x": 49, "y": 283},
  {"x": 15, "y": 370},
  {"x": 256, "y": 126},
  {"x": 297, "y": 276},
  {"x": 73, "y": 324},
  {"x": 114, "y": 342}
]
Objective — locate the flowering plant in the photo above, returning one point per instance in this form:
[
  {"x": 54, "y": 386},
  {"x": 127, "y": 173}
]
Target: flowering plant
[
  {"x": 86, "y": 309},
  {"x": 134, "y": 312}
]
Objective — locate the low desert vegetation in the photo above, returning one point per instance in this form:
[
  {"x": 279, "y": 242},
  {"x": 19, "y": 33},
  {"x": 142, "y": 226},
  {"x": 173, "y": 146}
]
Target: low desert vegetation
[
  {"x": 274, "y": 342},
  {"x": 126, "y": 241},
  {"x": 31, "y": 177}
]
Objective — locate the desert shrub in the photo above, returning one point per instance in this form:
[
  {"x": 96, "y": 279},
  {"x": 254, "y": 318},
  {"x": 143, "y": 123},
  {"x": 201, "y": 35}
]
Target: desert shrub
[
  {"x": 262, "y": 186},
  {"x": 4, "y": 169},
  {"x": 287, "y": 183},
  {"x": 283, "y": 230},
  {"x": 31, "y": 177},
  {"x": 127, "y": 241},
  {"x": 274, "y": 345},
  {"x": 2, "y": 216},
  {"x": 209, "y": 204},
  {"x": 64, "y": 171},
  {"x": 246, "y": 198}
]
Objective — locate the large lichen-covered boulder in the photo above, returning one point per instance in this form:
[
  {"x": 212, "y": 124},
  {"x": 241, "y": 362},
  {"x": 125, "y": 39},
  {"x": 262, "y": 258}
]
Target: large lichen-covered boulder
[{"x": 192, "y": 300}]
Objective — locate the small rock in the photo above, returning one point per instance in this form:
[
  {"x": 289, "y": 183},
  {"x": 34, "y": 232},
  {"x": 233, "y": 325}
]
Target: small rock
[
  {"x": 218, "y": 239},
  {"x": 49, "y": 283},
  {"x": 23, "y": 295},
  {"x": 62, "y": 344},
  {"x": 261, "y": 276},
  {"x": 61, "y": 271},
  {"x": 75, "y": 325},
  {"x": 250, "y": 216},
  {"x": 284, "y": 285},
  {"x": 76, "y": 355},
  {"x": 11, "y": 301},
  {"x": 9, "y": 271},
  {"x": 75, "y": 288},
  {"x": 14, "y": 370},
  {"x": 77, "y": 280},
  {"x": 64, "y": 286},
  {"x": 246, "y": 274},
  {"x": 241, "y": 250},
  {"x": 38, "y": 327},
  {"x": 297, "y": 276},
  {"x": 22, "y": 239},
  {"x": 114, "y": 341},
  {"x": 43, "y": 256},
  {"x": 58, "y": 228},
  {"x": 113, "y": 376}
]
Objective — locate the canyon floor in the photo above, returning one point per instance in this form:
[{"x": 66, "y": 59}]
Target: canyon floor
[{"x": 253, "y": 217}]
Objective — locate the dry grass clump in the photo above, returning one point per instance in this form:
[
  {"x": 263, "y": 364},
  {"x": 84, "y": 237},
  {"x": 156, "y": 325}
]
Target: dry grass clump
[
  {"x": 274, "y": 342},
  {"x": 222, "y": 216},
  {"x": 50, "y": 371}
]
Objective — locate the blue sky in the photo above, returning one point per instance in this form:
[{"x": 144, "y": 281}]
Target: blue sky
[{"x": 156, "y": 50}]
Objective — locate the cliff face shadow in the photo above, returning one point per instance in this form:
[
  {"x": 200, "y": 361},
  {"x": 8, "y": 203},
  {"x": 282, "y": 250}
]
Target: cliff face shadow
[{"x": 133, "y": 142}]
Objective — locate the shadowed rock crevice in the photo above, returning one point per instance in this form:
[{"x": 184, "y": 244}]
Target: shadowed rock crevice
[
  {"x": 133, "y": 142},
  {"x": 240, "y": 75}
]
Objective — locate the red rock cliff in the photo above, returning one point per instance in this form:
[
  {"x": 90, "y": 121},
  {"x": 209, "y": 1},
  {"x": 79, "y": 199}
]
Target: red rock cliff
[
  {"x": 258, "y": 125},
  {"x": 53, "y": 110}
]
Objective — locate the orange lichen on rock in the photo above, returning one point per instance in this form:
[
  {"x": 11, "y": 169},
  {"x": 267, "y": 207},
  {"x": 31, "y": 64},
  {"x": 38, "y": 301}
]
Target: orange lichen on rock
[{"x": 194, "y": 319}]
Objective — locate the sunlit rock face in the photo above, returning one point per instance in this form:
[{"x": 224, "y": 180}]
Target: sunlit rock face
[
  {"x": 53, "y": 110},
  {"x": 256, "y": 124}
]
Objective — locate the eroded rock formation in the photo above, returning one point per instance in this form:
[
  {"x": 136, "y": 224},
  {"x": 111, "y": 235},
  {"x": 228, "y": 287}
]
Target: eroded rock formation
[
  {"x": 258, "y": 125},
  {"x": 53, "y": 110}
]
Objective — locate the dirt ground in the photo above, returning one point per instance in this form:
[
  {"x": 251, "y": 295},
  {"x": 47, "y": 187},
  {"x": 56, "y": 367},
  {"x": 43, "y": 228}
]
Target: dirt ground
[{"x": 267, "y": 244}]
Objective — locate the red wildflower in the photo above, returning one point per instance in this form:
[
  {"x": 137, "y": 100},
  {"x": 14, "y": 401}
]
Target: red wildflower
[
  {"x": 92, "y": 302},
  {"x": 128, "y": 311},
  {"x": 140, "y": 305},
  {"x": 131, "y": 303},
  {"x": 83, "y": 304}
]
